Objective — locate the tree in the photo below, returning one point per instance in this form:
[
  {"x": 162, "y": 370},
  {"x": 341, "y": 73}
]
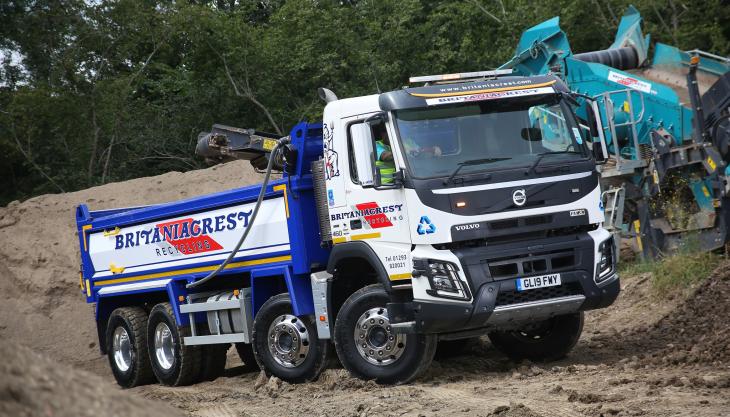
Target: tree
[{"x": 92, "y": 92}]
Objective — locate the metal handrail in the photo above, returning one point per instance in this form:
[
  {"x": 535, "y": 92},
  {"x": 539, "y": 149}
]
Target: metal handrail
[
  {"x": 633, "y": 121},
  {"x": 709, "y": 55}
]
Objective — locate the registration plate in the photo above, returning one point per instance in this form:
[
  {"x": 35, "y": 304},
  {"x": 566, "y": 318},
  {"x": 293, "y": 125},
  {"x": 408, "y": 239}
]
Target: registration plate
[{"x": 542, "y": 281}]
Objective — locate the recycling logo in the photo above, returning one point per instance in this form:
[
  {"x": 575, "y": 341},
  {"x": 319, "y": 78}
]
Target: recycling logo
[{"x": 425, "y": 226}]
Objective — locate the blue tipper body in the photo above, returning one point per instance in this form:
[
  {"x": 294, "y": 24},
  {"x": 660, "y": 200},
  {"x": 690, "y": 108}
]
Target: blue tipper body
[{"x": 268, "y": 272}]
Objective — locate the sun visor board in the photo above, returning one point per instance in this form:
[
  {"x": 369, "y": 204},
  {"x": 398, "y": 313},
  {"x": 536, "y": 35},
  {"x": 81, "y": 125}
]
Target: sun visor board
[
  {"x": 489, "y": 96},
  {"x": 507, "y": 87}
]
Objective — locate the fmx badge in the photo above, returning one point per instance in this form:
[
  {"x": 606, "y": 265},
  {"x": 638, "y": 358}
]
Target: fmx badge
[{"x": 425, "y": 226}]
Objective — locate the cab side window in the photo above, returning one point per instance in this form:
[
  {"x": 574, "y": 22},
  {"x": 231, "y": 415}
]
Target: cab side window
[
  {"x": 351, "y": 155},
  {"x": 382, "y": 154}
]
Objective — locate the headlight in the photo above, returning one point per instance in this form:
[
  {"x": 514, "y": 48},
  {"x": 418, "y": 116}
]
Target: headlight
[
  {"x": 443, "y": 278},
  {"x": 606, "y": 261}
]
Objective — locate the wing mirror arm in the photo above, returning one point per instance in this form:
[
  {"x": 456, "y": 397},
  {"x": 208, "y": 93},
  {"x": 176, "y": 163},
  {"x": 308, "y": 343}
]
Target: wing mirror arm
[
  {"x": 377, "y": 118},
  {"x": 598, "y": 148}
]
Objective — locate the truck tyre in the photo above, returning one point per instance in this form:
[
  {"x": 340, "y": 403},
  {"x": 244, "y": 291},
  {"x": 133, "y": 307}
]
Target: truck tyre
[
  {"x": 367, "y": 346},
  {"x": 213, "y": 361},
  {"x": 173, "y": 363},
  {"x": 285, "y": 345},
  {"x": 245, "y": 352},
  {"x": 126, "y": 347},
  {"x": 545, "y": 341},
  {"x": 453, "y": 348}
]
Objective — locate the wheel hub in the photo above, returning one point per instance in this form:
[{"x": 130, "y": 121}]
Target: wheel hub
[
  {"x": 122, "y": 349},
  {"x": 164, "y": 346},
  {"x": 375, "y": 340},
  {"x": 288, "y": 341}
]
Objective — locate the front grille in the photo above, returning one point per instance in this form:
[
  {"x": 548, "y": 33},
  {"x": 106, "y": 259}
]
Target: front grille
[
  {"x": 519, "y": 222},
  {"x": 554, "y": 261},
  {"x": 535, "y": 220},
  {"x": 506, "y": 298},
  {"x": 503, "y": 224}
]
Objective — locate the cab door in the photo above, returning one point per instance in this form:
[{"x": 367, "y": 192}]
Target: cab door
[{"x": 368, "y": 213}]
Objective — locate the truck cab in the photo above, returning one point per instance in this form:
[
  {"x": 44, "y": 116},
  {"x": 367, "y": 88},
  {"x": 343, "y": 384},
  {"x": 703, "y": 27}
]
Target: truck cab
[{"x": 489, "y": 222}]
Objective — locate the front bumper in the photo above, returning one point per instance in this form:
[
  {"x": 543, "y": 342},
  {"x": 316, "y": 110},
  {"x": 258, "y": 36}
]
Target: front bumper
[
  {"x": 484, "y": 313},
  {"x": 498, "y": 305}
]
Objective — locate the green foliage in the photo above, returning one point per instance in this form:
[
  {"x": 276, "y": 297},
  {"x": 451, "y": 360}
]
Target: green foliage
[
  {"x": 683, "y": 270},
  {"x": 677, "y": 272},
  {"x": 100, "y": 91}
]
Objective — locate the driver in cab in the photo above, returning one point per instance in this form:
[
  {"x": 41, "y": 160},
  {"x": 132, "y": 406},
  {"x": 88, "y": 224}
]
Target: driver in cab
[
  {"x": 385, "y": 161},
  {"x": 384, "y": 156}
]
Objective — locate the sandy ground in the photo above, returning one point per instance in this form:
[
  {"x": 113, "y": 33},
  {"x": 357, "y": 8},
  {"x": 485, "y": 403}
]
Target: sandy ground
[
  {"x": 637, "y": 358},
  {"x": 35, "y": 385},
  {"x": 642, "y": 356}
]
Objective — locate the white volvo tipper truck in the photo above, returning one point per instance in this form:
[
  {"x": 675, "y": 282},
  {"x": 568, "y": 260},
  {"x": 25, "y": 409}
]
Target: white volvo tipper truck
[{"x": 466, "y": 206}]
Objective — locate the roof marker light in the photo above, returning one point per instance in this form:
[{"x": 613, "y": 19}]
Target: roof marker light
[{"x": 459, "y": 76}]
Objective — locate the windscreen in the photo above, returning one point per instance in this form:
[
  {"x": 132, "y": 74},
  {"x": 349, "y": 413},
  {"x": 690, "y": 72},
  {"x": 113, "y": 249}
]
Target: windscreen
[{"x": 488, "y": 135}]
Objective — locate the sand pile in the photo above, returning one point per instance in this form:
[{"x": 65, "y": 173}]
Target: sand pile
[
  {"x": 34, "y": 385},
  {"x": 40, "y": 302}
]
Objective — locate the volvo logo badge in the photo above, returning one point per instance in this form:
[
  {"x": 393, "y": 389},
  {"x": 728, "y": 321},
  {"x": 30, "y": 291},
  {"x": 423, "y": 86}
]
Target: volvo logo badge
[{"x": 519, "y": 197}]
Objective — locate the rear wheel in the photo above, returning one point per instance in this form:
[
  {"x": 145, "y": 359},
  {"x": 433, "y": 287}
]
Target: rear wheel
[
  {"x": 213, "y": 361},
  {"x": 548, "y": 340},
  {"x": 126, "y": 347},
  {"x": 367, "y": 345},
  {"x": 173, "y": 363},
  {"x": 285, "y": 345},
  {"x": 245, "y": 352}
]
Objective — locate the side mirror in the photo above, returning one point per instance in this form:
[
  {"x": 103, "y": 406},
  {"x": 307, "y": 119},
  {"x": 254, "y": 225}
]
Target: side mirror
[
  {"x": 592, "y": 124},
  {"x": 362, "y": 148},
  {"x": 592, "y": 114},
  {"x": 600, "y": 151}
]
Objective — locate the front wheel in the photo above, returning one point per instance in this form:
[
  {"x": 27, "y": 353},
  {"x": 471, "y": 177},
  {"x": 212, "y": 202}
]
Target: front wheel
[
  {"x": 544, "y": 341},
  {"x": 367, "y": 346},
  {"x": 285, "y": 345}
]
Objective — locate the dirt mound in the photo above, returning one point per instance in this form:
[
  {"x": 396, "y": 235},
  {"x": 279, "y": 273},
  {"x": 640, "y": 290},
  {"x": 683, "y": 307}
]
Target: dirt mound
[
  {"x": 34, "y": 385},
  {"x": 699, "y": 330},
  {"x": 39, "y": 258},
  {"x": 513, "y": 410},
  {"x": 685, "y": 330}
]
